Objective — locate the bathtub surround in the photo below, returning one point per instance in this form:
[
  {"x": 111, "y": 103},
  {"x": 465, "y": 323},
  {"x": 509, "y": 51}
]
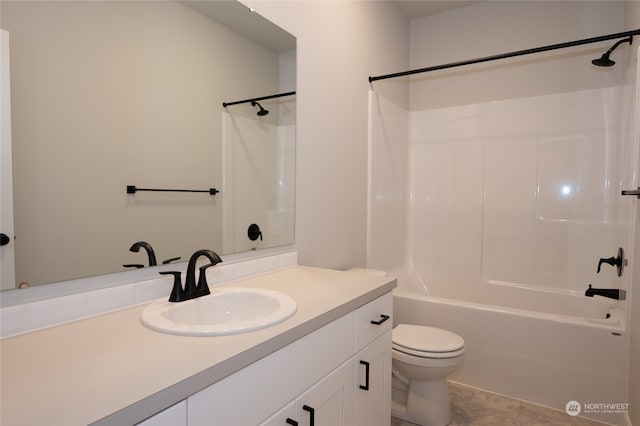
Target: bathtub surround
[
  {"x": 531, "y": 198},
  {"x": 512, "y": 229}
]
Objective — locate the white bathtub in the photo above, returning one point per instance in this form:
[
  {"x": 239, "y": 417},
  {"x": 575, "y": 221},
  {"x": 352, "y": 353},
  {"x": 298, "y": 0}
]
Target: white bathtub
[{"x": 548, "y": 357}]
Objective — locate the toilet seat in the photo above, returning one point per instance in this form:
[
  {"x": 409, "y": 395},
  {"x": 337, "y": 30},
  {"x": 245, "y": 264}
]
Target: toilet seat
[{"x": 426, "y": 342}]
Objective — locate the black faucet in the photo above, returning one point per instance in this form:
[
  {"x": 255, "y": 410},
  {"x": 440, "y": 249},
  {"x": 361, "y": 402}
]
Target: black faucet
[
  {"x": 611, "y": 293},
  {"x": 150, "y": 254},
  {"x": 192, "y": 289},
  {"x": 147, "y": 247}
]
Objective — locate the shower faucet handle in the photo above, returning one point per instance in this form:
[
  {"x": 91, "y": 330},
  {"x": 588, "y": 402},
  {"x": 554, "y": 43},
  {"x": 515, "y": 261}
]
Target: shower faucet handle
[{"x": 618, "y": 261}]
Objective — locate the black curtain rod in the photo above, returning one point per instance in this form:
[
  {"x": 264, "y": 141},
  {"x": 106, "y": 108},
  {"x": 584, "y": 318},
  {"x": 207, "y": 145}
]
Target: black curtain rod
[
  {"x": 244, "y": 101},
  {"x": 507, "y": 55}
]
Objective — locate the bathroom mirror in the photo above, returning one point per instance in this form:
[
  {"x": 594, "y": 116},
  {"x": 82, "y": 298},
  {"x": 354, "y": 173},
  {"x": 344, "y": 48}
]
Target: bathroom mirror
[{"x": 110, "y": 94}]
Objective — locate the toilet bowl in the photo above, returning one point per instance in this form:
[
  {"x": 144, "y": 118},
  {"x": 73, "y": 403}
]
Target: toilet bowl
[{"x": 423, "y": 358}]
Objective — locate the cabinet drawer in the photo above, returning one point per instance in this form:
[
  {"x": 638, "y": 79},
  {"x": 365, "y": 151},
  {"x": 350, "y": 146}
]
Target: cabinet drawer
[{"x": 373, "y": 320}]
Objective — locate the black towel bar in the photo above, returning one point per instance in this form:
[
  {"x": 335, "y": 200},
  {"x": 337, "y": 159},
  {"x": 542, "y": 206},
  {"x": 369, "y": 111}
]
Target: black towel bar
[{"x": 132, "y": 189}]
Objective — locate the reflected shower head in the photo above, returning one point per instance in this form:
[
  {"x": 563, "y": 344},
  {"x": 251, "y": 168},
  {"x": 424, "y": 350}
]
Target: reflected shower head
[
  {"x": 604, "y": 60},
  {"x": 262, "y": 112}
]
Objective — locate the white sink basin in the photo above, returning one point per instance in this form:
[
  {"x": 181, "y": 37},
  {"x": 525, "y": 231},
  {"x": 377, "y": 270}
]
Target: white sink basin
[{"x": 225, "y": 311}]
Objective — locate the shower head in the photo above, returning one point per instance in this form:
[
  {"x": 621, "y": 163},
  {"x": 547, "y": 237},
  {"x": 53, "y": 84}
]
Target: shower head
[
  {"x": 262, "y": 112},
  {"x": 604, "y": 60}
]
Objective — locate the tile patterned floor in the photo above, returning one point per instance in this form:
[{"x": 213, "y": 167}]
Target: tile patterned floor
[{"x": 475, "y": 407}]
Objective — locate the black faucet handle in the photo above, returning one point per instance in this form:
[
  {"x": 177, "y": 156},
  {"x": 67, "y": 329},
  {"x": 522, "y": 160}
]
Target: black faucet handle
[
  {"x": 254, "y": 232},
  {"x": 133, "y": 265},
  {"x": 611, "y": 261},
  {"x": 177, "y": 293},
  {"x": 202, "y": 289},
  {"x": 618, "y": 261}
]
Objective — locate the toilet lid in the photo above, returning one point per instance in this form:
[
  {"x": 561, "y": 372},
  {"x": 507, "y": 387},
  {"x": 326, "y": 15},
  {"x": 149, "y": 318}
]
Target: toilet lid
[{"x": 418, "y": 338}]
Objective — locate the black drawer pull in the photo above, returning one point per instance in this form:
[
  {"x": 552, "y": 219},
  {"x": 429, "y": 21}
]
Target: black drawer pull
[
  {"x": 382, "y": 319},
  {"x": 291, "y": 422},
  {"x": 366, "y": 375},
  {"x": 312, "y": 414}
]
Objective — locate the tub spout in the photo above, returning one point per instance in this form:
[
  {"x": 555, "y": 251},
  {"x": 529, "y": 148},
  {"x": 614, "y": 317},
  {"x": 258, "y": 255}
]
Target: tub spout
[{"x": 611, "y": 293}]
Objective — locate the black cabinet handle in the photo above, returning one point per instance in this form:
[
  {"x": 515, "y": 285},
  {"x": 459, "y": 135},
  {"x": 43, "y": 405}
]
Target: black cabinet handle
[
  {"x": 291, "y": 422},
  {"x": 382, "y": 319},
  {"x": 366, "y": 375},
  {"x": 312, "y": 414}
]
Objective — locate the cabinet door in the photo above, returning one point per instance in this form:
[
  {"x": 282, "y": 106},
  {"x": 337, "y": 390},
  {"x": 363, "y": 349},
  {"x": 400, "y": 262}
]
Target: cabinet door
[
  {"x": 327, "y": 403},
  {"x": 373, "y": 383},
  {"x": 331, "y": 401}
]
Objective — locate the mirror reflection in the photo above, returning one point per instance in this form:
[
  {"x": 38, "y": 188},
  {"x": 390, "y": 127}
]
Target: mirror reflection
[{"x": 110, "y": 94}]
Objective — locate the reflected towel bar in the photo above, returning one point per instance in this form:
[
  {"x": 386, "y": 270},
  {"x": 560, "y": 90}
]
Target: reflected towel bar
[
  {"x": 132, "y": 189},
  {"x": 635, "y": 192}
]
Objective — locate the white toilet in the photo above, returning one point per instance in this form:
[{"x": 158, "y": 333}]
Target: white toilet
[{"x": 423, "y": 357}]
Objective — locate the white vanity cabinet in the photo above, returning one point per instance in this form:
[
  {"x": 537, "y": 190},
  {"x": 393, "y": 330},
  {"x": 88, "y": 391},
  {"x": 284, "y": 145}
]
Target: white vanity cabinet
[
  {"x": 373, "y": 363},
  {"x": 314, "y": 381}
]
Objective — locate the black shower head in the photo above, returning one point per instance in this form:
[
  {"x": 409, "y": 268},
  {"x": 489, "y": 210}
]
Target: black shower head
[
  {"x": 262, "y": 112},
  {"x": 604, "y": 60}
]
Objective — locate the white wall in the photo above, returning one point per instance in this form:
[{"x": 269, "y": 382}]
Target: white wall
[
  {"x": 632, "y": 22},
  {"x": 339, "y": 45},
  {"x": 495, "y": 27}
]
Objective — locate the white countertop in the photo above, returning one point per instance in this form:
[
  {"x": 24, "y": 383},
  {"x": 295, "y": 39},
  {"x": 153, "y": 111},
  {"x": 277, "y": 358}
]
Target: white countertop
[{"x": 111, "y": 369}]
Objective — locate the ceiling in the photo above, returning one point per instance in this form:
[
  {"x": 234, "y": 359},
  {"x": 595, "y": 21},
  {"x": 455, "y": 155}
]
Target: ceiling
[
  {"x": 416, "y": 9},
  {"x": 240, "y": 18},
  {"x": 235, "y": 16}
]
